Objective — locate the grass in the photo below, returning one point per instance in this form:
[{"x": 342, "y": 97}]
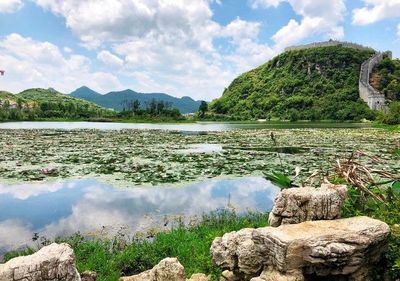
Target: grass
[
  {"x": 389, "y": 212},
  {"x": 190, "y": 244}
]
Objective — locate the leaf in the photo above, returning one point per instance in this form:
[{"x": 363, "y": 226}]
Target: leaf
[
  {"x": 396, "y": 186},
  {"x": 279, "y": 179}
]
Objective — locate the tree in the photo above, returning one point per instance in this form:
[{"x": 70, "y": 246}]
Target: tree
[{"x": 203, "y": 108}]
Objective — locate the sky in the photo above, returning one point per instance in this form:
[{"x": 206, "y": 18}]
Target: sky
[{"x": 180, "y": 47}]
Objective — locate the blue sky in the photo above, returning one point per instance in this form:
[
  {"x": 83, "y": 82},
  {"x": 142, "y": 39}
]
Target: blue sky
[{"x": 180, "y": 47}]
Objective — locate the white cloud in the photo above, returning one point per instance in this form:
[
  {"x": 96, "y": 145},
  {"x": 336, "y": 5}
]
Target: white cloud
[
  {"x": 110, "y": 59},
  {"x": 376, "y": 10},
  {"x": 265, "y": 3},
  {"x": 319, "y": 17},
  {"x": 29, "y": 63},
  {"x": 10, "y": 6},
  {"x": 167, "y": 46},
  {"x": 240, "y": 29},
  {"x": 115, "y": 20},
  {"x": 294, "y": 31}
]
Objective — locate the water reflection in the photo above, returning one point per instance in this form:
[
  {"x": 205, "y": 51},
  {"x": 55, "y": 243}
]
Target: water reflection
[
  {"x": 188, "y": 127},
  {"x": 63, "y": 208}
]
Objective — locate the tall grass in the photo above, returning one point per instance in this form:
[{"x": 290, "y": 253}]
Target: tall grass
[{"x": 190, "y": 244}]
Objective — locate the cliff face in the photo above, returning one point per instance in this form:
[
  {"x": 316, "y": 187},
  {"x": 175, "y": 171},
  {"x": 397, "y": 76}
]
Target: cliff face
[{"x": 311, "y": 83}]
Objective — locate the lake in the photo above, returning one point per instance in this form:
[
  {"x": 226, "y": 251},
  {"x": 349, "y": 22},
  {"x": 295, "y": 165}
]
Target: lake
[
  {"x": 115, "y": 177},
  {"x": 189, "y": 127},
  {"x": 97, "y": 209}
]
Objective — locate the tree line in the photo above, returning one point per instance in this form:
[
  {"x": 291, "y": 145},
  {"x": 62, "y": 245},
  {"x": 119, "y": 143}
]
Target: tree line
[{"x": 152, "y": 108}]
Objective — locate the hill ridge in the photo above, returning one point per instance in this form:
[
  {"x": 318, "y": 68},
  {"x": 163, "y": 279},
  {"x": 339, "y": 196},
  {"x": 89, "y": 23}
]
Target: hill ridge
[{"x": 117, "y": 99}]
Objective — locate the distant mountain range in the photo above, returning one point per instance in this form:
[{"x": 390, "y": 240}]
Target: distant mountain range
[{"x": 116, "y": 100}]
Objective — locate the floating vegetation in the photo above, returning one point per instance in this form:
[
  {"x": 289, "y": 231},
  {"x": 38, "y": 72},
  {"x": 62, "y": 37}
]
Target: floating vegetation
[{"x": 155, "y": 157}]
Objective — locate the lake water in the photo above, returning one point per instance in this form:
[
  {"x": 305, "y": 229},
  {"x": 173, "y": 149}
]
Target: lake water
[
  {"x": 94, "y": 208},
  {"x": 189, "y": 127}
]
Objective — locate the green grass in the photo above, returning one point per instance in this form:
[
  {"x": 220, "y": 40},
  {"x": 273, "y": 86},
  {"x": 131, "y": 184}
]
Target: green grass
[
  {"x": 389, "y": 212},
  {"x": 190, "y": 244},
  {"x": 393, "y": 128}
]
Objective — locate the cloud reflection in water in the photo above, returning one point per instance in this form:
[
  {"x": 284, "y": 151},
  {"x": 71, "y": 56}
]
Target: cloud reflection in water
[{"x": 63, "y": 208}]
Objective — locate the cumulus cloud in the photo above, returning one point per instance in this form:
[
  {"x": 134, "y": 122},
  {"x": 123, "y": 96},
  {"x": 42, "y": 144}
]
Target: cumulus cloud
[
  {"x": 319, "y": 17},
  {"x": 376, "y": 10},
  {"x": 31, "y": 63},
  {"x": 165, "y": 46},
  {"x": 110, "y": 59},
  {"x": 113, "y": 20},
  {"x": 265, "y": 3},
  {"x": 10, "y": 6},
  {"x": 240, "y": 29}
]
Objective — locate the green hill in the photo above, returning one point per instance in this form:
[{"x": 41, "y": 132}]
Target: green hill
[
  {"x": 35, "y": 104},
  {"x": 6, "y": 96},
  {"x": 312, "y": 84},
  {"x": 387, "y": 75}
]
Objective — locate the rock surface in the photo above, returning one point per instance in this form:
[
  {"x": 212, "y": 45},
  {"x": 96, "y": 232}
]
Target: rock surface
[
  {"x": 323, "y": 248},
  {"x": 199, "y": 277},
  {"x": 296, "y": 205},
  {"x": 168, "y": 269},
  {"x": 88, "y": 276},
  {"x": 54, "y": 262}
]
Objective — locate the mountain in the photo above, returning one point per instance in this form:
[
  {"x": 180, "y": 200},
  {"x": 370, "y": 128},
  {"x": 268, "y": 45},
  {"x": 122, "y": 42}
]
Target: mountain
[
  {"x": 116, "y": 100},
  {"x": 319, "y": 83},
  {"x": 86, "y": 94}
]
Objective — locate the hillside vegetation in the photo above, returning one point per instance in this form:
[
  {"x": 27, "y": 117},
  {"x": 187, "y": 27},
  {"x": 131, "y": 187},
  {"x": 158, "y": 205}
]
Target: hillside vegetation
[
  {"x": 386, "y": 79},
  {"x": 389, "y": 78},
  {"x": 312, "y": 84},
  {"x": 34, "y": 104}
]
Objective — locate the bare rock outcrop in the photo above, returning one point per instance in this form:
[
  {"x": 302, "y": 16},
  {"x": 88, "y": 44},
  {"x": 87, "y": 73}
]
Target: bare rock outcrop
[
  {"x": 344, "y": 247},
  {"x": 54, "y": 262},
  {"x": 297, "y": 205},
  {"x": 168, "y": 269}
]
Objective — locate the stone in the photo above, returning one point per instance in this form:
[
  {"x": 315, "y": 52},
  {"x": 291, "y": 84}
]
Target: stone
[
  {"x": 296, "y": 205},
  {"x": 199, "y": 277},
  {"x": 271, "y": 274},
  {"x": 53, "y": 262},
  {"x": 228, "y": 276},
  {"x": 168, "y": 269},
  {"x": 88, "y": 276},
  {"x": 343, "y": 247}
]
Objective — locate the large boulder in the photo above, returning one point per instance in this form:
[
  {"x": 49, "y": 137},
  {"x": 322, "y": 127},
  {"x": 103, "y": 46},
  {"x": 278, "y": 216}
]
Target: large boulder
[
  {"x": 168, "y": 269},
  {"x": 344, "y": 247},
  {"x": 54, "y": 262},
  {"x": 296, "y": 205}
]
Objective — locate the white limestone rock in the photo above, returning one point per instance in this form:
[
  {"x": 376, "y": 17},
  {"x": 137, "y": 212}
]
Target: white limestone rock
[
  {"x": 168, "y": 269},
  {"x": 323, "y": 248},
  {"x": 53, "y": 262},
  {"x": 296, "y": 205}
]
